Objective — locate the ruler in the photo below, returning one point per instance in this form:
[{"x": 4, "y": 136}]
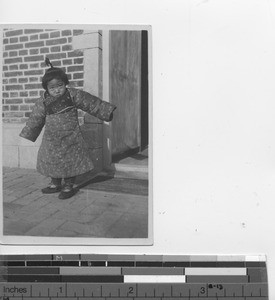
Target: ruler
[{"x": 141, "y": 277}]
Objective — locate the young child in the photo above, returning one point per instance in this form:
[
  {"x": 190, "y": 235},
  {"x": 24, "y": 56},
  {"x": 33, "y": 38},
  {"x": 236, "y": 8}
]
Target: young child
[{"x": 63, "y": 153}]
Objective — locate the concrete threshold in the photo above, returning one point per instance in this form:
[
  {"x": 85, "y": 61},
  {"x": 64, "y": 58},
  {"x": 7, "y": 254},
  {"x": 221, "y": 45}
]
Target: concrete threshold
[{"x": 131, "y": 171}]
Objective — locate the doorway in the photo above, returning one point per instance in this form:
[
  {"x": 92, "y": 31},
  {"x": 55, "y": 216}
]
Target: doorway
[{"x": 129, "y": 92}]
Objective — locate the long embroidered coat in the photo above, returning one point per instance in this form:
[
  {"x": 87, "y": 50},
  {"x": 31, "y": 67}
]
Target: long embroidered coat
[{"x": 63, "y": 151}]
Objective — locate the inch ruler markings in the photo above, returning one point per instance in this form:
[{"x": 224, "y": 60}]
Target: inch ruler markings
[{"x": 159, "y": 277}]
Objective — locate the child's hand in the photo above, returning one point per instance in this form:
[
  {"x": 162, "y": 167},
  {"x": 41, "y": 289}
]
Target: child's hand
[{"x": 112, "y": 114}]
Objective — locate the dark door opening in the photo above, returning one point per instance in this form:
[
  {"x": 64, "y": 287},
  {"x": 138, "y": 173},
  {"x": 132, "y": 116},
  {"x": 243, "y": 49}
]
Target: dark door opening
[{"x": 144, "y": 92}]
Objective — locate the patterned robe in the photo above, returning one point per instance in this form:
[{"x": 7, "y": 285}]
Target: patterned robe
[{"x": 63, "y": 151}]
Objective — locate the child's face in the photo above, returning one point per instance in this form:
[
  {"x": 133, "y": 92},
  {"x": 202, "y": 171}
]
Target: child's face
[{"x": 56, "y": 88}]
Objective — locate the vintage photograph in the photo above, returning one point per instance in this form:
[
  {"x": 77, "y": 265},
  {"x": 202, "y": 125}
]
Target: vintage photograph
[{"x": 76, "y": 134}]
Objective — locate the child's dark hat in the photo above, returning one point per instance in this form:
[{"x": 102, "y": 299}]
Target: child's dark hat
[{"x": 53, "y": 73}]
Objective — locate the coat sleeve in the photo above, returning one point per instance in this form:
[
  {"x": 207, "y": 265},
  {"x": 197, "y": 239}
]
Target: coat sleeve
[
  {"x": 93, "y": 105},
  {"x": 35, "y": 122}
]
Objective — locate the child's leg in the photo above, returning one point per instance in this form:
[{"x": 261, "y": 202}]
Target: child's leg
[
  {"x": 57, "y": 181},
  {"x": 67, "y": 191},
  {"x": 69, "y": 181},
  {"x": 53, "y": 187}
]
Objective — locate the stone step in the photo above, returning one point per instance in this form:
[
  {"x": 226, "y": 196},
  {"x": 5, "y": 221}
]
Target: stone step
[
  {"x": 117, "y": 170},
  {"x": 131, "y": 171}
]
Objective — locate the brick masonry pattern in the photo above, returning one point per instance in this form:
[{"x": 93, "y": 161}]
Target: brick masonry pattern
[{"x": 24, "y": 52}]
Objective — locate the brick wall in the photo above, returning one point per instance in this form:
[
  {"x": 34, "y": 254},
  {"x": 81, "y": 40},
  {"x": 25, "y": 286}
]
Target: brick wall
[{"x": 24, "y": 52}]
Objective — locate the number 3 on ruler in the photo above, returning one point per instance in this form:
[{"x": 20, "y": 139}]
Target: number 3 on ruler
[{"x": 202, "y": 290}]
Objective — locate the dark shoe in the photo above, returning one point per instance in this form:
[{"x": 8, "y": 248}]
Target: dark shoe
[
  {"x": 67, "y": 192},
  {"x": 51, "y": 188}
]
